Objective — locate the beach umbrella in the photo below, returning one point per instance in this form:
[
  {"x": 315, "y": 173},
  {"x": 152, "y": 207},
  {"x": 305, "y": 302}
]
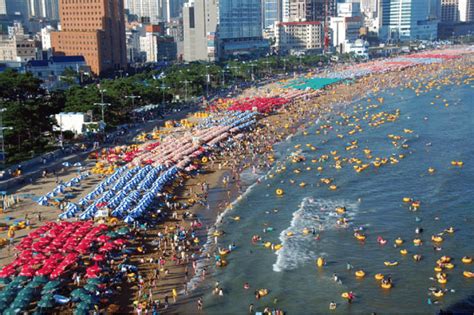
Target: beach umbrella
[
  {"x": 91, "y": 287},
  {"x": 48, "y": 303},
  {"x": 43, "y": 201},
  {"x": 123, "y": 231},
  {"x": 40, "y": 279},
  {"x": 77, "y": 293},
  {"x": 5, "y": 280}
]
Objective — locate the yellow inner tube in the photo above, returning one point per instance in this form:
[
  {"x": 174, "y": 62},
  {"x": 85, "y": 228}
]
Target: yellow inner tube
[
  {"x": 263, "y": 292},
  {"x": 437, "y": 239},
  {"x": 438, "y": 293},
  {"x": 278, "y": 246},
  {"x": 267, "y": 244},
  {"x": 466, "y": 260},
  {"x": 449, "y": 266},
  {"x": 391, "y": 263},
  {"x": 403, "y": 251},
  {"x": 386, "y": 285},
  {"x": 345, "y": 295},
  {"x": 417, "y": 241},
  {"x": 360, "y": 273},
  {"x": 320, "y": 262},
  {"x": 468, "y": 274},
  {"x": 438, "y": 269},
  {"x": 442, "y": 280},
  {"x": 378, "y": 276},
  {"x": 360, "y": 237},
  {"x": 204, "y": 159},
  {"x": 279, "y": 192},
  {"x": 399, "y": 241}
]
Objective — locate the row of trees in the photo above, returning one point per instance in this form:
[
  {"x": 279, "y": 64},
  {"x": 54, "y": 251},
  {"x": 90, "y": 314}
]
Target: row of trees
[{"x": 29, "y": 108}]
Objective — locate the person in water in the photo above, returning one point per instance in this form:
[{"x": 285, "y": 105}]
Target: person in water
[{"x": 332, "y": 305}]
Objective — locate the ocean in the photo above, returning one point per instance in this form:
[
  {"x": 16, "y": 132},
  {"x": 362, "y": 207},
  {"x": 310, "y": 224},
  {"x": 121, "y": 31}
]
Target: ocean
[{"x": 431, "y": 136}]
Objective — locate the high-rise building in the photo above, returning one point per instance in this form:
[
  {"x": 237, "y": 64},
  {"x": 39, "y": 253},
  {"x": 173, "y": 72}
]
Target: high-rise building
[
  {"x": 17, "y": 7},
  {"x": 453, "y": 11},
  {"x": 295, "y": 37},
  {"x": 151, "y": 10},
  {"x": 43, "y": 9},
  {"x": 3, "y": 7},
  {"x": 94, "y": 30},
  {"x": 199, "y": 30},
  {"x": 271, "y": 12},
  {"x": 407, "y": 20},
  {"x": 214, "y": 30},
  {"x": 310, "y": 10}
]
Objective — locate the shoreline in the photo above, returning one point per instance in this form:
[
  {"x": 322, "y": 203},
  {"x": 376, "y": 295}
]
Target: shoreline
[
  {"x": 185, "y": 305},
  {"x": 279, "y": 126}
]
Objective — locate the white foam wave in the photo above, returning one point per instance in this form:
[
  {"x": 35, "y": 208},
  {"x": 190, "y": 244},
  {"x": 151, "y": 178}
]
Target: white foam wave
[{"x": 300, "y": 248}]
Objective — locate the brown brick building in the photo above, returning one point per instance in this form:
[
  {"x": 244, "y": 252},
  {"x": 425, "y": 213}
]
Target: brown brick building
[{"x": 94, "y": 29}]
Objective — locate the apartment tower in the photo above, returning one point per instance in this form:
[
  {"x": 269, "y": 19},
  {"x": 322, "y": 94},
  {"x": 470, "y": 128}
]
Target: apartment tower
[{"x": 94, "y": 29}]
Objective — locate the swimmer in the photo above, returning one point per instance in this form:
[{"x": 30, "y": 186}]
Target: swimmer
[
  {"x": 332, "y": 305},
  {"x": 335, "y": 277},
  {"x": 419, "y": 230},
  {"x": 246, "y": 286}
]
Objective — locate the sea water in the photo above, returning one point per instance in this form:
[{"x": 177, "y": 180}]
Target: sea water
[{"x": 373, "y": 199}]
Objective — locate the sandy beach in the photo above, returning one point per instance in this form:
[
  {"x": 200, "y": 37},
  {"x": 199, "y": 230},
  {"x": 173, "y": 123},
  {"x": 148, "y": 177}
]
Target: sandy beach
[{"x": 221, "y": 177}]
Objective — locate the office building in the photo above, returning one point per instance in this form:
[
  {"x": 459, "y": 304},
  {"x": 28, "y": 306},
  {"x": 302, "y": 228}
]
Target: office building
[
  {"x": 19, "y": 48},
  {"x": 271, "y": 12},
  {"x": 344, "y": 30},
  {"x": 146, "y": 10},
  {"x": 299, "y": 37},
  {"x": 199, "y": 30},
  {"x": 407, "y": 20},
  {"x": 308, "y": 10},
  {"x": 453, "y": 11},
  {"x": 93, "y": 30},
  {"x": 17, "y": 7},
  {"x": 3, "y": 7}
]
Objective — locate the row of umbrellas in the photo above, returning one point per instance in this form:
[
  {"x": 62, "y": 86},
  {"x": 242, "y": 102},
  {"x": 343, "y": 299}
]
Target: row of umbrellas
[{"x": 61, "y": 188}]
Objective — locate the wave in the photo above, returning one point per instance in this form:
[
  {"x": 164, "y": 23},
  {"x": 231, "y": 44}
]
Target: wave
[{"x": 314, "y": 215}]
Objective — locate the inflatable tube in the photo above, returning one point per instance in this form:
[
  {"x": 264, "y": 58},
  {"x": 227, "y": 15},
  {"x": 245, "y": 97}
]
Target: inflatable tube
[
  {"x": 386, "y": 285},
  {"x": 438, "y": 269},
  {"x": 224, "y": 252},
  {"x": 417, "y": 242},
  {"x": 263, "y": 292},
  {"x": 279, "y": 192},
  {"x": 399, "y": 241},
  {"x": 113, "y": 221},
  {"x": 345, "y": 295},
  {"x": 466, "y": 260},
  {"x": 277, "y": 247},
  {"x": 320, "y": 262},
  {"x": 442, "y": 280},
  {"x": 436, "y": 239},
  {"x": 438, "y": 293},
  {"x": 403, "y": 251},
  {"x": 468, "y": 274},
  {"x": 391, "y": 263},
  {"x": 360, "y": 274},
  {"x": 267, "y": 244},
  {"x": 379, "y": 276},
  {"x": 449, "y": 230},
  {"x": 449, "y": 266},
  {"x": 204, "y": 159}
]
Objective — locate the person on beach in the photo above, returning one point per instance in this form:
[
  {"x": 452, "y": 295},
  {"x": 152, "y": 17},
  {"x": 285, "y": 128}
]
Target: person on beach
[{"x": 199, "y": 304}]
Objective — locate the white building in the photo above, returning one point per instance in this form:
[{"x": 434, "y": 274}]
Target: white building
[
  {"x": 46, "y": 37},
  {"x": 19, "y": 48},
  {"x": 74, "y": 122},
  {"x": 348, "y": 9},
  {"x": 344, "y": 30},
  {"x": 299, "y": 36},
  {"x": 145, "y": 9},
  {"x": 3, "y": 7},
  {"x": 149, "y": 45},
  {"x": 360, "y": 48}
]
